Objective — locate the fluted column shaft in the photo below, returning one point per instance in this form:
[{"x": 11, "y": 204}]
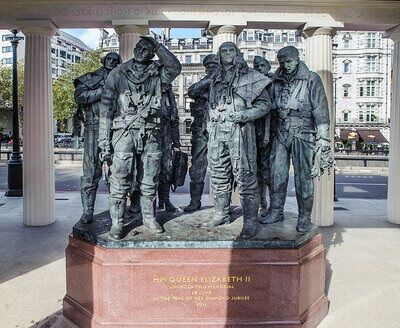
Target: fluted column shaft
[
  {"x": 224, "y": 34},
  {"x": 393, "y": 203},
  {"x": 129, "y": 35},
  {"x": 319, "y": 59},
  {"x": 38, "y": 166}
]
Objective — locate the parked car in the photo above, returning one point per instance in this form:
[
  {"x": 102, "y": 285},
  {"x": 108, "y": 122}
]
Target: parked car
[
  {"x": 61, "y": 136},
  {"x": 64, "y": 142}
]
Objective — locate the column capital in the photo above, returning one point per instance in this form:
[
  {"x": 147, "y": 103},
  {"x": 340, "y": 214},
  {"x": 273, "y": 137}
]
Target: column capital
[
  {"x": 136, "y": 29},
  {"x": 38, "y": 27},
  {"x": 393, "y": 33},
  {"x": 314, "y": 31},
  {"x": 226, "y": 29}
]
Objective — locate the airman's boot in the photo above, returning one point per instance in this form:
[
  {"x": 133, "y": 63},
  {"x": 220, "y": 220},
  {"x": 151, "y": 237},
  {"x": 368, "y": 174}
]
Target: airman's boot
[
  {"x": 88, "y": 199},
  {"x": 250, "y": 206},
  {"x": 148, "y": 215},
  {"x": 196, "y": 190},
  {"x": 221, "y": 209},
  {"x": 262, "y": 187},
  {"x": 163, "y": 198},
  {"x": 134, "y": 207},
  {"x": 117, "y": 209},
  {"x": 275, "y": 214},
  {"x": 304, "y": 218}
]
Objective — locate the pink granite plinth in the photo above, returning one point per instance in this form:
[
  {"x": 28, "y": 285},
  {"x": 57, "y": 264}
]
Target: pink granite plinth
[{"x": 169, "y": 287}]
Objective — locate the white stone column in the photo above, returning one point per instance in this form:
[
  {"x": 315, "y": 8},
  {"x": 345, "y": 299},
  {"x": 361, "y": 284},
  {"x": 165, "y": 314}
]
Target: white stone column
[
  {"x": 318, "y": 49},
  {"x": 393, "y": 203},
  {"x": 38, "y": 166},
  {"x": 129, "y": 35},
  {"x": 223, "y": 34}
]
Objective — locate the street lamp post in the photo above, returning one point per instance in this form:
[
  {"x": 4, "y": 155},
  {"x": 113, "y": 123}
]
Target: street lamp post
[{"x": 14, "y": 184}]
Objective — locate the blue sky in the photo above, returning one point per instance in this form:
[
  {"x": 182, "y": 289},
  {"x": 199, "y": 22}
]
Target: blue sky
[{"x": 91, "y": 36}]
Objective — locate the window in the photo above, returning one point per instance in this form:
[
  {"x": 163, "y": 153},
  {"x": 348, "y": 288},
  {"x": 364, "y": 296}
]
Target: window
[
  {"x": 63, "y": 54},
  {"x": 346, "y": 90},
  {"x": 188, "y": 59},
  {"x": 264, "y": 54},
  {"x": 371, "y": 88},
  {"x": 68, "y": 56},
  {"x": 361, "y": 90},
  {"x": 62, "y": 64},
  {"x": 7, "y": 61},
  {"x": 346, "y": 40},
  {"x": 202, "y": 58},
  {"x": 203, "y": 43},
  {"x": 346, "y": 66},
  {"x": 188, "y": 123},
  {"x": 370, "y": 113},
  {"x": 346, "y": 117},
  {"x": 371, "y": 64},
  {"x": 77, "y": 59},
  {"x": 53, "y": 51},
  {"x": 6, "y": 49},
  {"x": 174, "y": 42},
  {"x": 188, "y": 101},
  {"x": 291, "y": 37},
  {"x": 188, "y": 80},
  {"x": 54, "y": 71},
  {"x": 250, "y": 36},
  {"x": 5, "y": 36},
  {"x": 371, "y": 40},
  {"x": 361, "y": 116},
  {"x": 54, "y": 61},
  {"x": 277, "y": 37}
]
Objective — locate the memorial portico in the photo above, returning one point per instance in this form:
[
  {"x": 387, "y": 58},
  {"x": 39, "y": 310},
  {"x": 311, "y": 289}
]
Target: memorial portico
[{"x": 318, "y": 21}]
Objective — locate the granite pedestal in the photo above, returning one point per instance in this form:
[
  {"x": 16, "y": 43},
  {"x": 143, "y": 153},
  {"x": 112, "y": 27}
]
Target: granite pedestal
[{"x": 195, "y": 277}]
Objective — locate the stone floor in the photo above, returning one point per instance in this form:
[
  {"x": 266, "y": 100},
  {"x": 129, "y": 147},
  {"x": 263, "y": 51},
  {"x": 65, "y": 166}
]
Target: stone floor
[{"x": 363, "y": 264}]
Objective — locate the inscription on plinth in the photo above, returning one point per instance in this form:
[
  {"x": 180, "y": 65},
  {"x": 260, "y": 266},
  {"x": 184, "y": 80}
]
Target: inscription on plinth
[{"x": 202, "y": 291}]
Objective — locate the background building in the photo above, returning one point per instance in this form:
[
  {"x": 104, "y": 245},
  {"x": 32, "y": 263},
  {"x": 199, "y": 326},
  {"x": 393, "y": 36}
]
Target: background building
[
  {"x": 362, "y": 81},
  {"x": 65, "y": 49}
]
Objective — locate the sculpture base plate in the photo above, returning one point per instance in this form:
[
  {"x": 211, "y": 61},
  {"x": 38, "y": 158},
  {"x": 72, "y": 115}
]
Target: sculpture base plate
[
  {"x": 184, "y": 230},
  {"x": 182, "y": 281}
]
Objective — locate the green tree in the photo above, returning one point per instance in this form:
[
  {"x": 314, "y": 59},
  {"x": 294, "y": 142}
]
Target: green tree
[
  {"x": 64, "y": 105},
  {"x": 6, "y": 88}
]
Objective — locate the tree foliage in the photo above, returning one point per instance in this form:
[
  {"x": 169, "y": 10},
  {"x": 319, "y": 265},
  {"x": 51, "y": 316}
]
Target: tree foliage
[
  {"x": 64, "y": 105},
  {"x": 6, "y": 88}
]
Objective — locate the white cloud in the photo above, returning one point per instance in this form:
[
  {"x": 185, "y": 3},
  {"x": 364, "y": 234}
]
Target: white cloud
[{"x": 91, "y": 36}]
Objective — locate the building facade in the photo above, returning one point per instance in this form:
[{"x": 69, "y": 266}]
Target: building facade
[
  {"x": 362, "y": 81},
  {"x": 65, "y": 49}
]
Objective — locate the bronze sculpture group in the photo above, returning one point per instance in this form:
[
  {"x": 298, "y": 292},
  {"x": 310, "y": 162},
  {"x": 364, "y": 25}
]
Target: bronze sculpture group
[{"x": 246, "y": 126}]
